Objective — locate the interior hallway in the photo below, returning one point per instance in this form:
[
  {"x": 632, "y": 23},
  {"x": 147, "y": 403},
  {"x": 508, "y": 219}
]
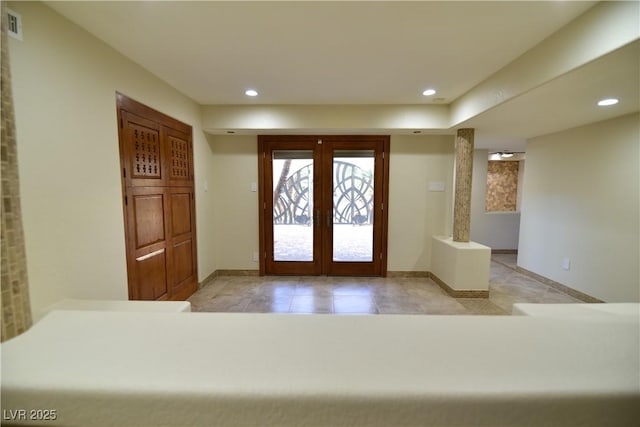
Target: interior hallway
[{"x": 370, "y": 295}]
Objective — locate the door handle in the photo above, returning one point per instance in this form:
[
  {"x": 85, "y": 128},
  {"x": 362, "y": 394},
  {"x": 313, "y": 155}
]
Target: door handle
[
  {"x": 329, "y": 218},
  {"x": 316, "y": 218}
]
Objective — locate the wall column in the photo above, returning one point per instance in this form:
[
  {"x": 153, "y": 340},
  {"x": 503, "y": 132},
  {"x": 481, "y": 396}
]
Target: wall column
[
  {"x": 459, "y": 266},
  {"x": 464, "y": 171},
  {"x": 16, "y": 309}
]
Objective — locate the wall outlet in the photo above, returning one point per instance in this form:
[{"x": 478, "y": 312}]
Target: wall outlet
[
  {"x": 566, "y": 264},
  {"x": 255, "y": 257}
]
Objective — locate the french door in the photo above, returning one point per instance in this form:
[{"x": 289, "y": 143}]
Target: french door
[{"x": 323, "y": 204}]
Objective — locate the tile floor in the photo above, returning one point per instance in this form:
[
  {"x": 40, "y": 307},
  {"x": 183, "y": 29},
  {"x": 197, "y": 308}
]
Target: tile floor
[{"x": 370, "y": 295}]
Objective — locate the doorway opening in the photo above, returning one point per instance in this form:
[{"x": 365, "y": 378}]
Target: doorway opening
[{"x": 323, "y": 204}]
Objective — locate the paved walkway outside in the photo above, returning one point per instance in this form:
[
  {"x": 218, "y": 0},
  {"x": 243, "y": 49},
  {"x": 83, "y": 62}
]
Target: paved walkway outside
[{"x": 350, "y": 242}]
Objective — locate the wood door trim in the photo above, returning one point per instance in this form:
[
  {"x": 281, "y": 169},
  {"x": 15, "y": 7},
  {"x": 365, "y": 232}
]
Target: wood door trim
[
  {"x": 386, "y": 144},
  {"x": 261, "y": 208},
  {"x": 380, "y": 145},
  {"x": 125, "y": 103},
  {"x": 266, "y": 147}
]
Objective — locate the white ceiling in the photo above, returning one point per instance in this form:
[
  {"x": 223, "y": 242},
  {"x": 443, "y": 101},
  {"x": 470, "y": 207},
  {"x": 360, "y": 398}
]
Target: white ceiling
[
  {"x": 568, "y": 101},
  {"x": 331, "y": 52},
  {"x": 321, "y": 52}
]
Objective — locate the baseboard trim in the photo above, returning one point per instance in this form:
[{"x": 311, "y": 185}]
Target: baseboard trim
[
  {"x": 456, "y": 293},
  {"x": 559, "y": 286},
  {"x": 408, "y": 274},
  {"x": 208, "y": 279},
  {"x": 504, "y": 251},
  {"x": 219, "y": 273},
  {"x": 237, "y": 272}
]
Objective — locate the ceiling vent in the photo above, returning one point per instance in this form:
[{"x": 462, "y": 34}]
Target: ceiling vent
[{"x": 14, "y": 24}]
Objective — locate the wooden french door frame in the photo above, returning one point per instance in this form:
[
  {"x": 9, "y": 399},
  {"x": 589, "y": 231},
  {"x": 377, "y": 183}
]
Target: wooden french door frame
[
  {"x": 379, "y": 145},
  {"x": 268, "y": 145},
  {"x": 323, "y": 147}
]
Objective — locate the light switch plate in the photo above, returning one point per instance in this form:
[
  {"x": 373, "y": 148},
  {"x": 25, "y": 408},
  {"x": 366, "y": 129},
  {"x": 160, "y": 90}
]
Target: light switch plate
[{"x": 436, "y": 186}]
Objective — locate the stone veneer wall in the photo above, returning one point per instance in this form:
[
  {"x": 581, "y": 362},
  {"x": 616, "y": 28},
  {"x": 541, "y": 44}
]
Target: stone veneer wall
[
  {"x": 16, "y": 309},
  {"x": 502, "y": 186},
  {"x": 463, "y": 182}
]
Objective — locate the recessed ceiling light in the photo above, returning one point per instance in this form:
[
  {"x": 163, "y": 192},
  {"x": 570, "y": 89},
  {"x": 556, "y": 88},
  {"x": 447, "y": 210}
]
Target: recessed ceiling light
[
  {"x": 607, "y": 101},
  {"x": 251, "y": 92},
  {"x": 429, "y": 92}
]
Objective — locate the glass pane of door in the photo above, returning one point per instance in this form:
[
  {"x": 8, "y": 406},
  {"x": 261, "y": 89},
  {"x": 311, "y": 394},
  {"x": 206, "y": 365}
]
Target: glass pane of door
[
  {"x": 293, "y": 205},
  {"x": 353, "y": 194}
]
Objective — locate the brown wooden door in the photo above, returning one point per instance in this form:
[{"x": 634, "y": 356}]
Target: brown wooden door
[
  {"x": 354, "y": 192},
  {"x": 302, "y": 158},
  {"x": 322, "y": 200},
  {"x": 159, "y": 207}
]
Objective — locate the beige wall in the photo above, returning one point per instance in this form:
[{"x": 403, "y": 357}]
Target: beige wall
[
  {"x": 235, "y": 215},
  {"x": 65, "y": 82},
  {"x": 462, "y": 266},
  {"x": 498, "y": 230},
  {"x": 581, "y": 196},
  {"x": 415, "y": 213}
]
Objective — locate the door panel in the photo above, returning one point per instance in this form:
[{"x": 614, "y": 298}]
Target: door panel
[
  {"x": 151, "y": 275},
  {"x": 182, "y": 260},
  {"x": 143, "y": 151},
  {"x": 293, "y": 205},
  {"x": 323, "y": 201},
  {"x": 146, "y": 156},
  {"x": 180, "y": 213},
  {"x": 179, "y": 157},
  {"x": 183, "y": 269},
  {"x": 291, "y": 208},
  {"x": 353, "y": 205},
  {"x": 356, "y": 199},
  {"x": 148, "y": 217}
]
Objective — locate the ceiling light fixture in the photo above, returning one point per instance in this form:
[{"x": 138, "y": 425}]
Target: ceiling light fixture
[
  {"x": 251, "y": 92},
  {"x": 429, "y": 92},
  {"x": 608, "y": 101},
  {"x": 506, "y": 155}
]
